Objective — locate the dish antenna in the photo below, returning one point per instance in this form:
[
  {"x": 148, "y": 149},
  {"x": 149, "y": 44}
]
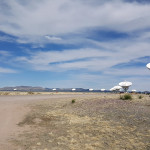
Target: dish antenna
[
  {"x": 116, "y": 88},
  {"x": 133, "y": 91},
  {"x": 73, "y": 89},
  {"x": 102, "y": 90},
  {"x": 54, "y": 89},
  {"x": 148, "y": 65},
  {"x": 90, "y": 90},
  {"x": 15, "y": 89},
  {"x": 112, "y": 89},
  {"x": 125, "y": 85}
]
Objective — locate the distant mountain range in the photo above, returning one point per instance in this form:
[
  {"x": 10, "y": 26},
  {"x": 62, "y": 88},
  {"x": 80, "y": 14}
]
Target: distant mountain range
[
  {"x": 41, "y": 89},
  {"x": 22, "y": 88}
]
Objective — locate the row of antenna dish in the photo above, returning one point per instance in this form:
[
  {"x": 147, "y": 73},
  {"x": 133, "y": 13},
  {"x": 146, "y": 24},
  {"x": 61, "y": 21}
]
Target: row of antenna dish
[
  {"x": 125, "y": 85},
  {"x": 100, "y": 90},
  {"x": 75, "y": 89}
]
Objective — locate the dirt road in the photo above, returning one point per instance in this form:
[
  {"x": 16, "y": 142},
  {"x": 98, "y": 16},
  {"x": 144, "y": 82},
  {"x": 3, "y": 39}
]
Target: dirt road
[{"x": 12, "y": 111}]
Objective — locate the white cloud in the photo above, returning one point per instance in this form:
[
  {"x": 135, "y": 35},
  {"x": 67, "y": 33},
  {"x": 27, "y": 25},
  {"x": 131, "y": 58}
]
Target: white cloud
[
  {"x": 88, "y": 58},
  {"x": 5, "y": 56},
  {"x": 53, "y": 38},
  {"x": 4, "y": 53},
  {"x": 6, "y": 38},
  {"x": 67, "y": 59},
  {"x": 40, "y": 18},
  {"x": 6, "y": 70}
]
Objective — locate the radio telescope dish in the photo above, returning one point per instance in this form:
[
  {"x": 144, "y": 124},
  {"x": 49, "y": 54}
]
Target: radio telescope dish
[
  {"x": 102, "y": 90},
  {"x": 148, "y": 65},
  {"x": 112, "y": 89},
  {"x": 15, "y": 89},
  {"x": 134, "y": 91},
  {"x": 73, "y": 89},
  {"x": 90, "y": 89},
  {"x": 117, "y": 88},
  {"x": 54, "y": 89},
  {"x": 125, "y": 85}
]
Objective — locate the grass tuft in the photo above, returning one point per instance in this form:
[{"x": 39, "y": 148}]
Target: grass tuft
[
  {"x": 4, "y": 93},
  {"x": 30, "y": 93},
  {"x": 140, "y": 96},
  {"x": 73, "y": 101},
  {"x": 126, "y": 97}
]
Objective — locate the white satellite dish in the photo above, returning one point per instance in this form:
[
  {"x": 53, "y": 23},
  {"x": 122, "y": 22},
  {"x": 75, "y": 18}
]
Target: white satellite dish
[
  {"x": 125, "y": 85},
  {"x": 103, "y": 90},
  {"x": 116, "y": 88},
  {"x": 73, "y": 89},
  {"x": 90, "y": 89},
  {"x": 112, "y": 89},
  {"x": 54, "y": 89},
  {"x": 15, "y": 89},
  {"x": 134, "y": 90},
  {"x": 148, "y": 65}
]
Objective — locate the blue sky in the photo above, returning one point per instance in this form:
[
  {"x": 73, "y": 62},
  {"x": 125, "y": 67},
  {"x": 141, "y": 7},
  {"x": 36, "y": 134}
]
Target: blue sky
[{"x": 70, "y": 44}]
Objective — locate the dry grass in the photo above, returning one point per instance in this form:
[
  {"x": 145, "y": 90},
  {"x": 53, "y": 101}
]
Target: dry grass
[
  {"x": 22, "y": 93},
  {"x": 98, "y": 122},
  {"x": 37, "y": 93}
]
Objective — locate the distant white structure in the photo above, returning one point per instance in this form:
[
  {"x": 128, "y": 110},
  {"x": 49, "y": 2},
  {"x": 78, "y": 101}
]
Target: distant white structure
[
  {"x": 112, "y": 89},
  {"x": 116, "y": 88},
  {"x": 73, "y": 89},
  {"x": 90, "y": 90},
  {"x": 148, "y": 65},
  {"x": 125, "y": 85},
  {"x": 15, "y": 89},
  {"x": 54, "y": 89},
  {"x": 103, "y": 90},
  {"x": 134, "y": 91}
]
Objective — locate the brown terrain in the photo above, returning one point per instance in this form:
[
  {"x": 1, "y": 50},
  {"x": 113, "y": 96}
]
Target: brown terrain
[{"x": 74, "y": 121}]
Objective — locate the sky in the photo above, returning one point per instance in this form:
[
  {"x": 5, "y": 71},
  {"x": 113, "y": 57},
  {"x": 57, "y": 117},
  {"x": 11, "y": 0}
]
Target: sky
[{"x": 75, "y": 43}]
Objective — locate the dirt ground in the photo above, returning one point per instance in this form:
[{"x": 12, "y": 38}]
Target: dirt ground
[{"x": 74, "y": 121}]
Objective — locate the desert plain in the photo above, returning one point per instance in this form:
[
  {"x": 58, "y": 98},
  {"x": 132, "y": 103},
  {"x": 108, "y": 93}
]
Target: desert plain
[{"x": 74, "y": 121}]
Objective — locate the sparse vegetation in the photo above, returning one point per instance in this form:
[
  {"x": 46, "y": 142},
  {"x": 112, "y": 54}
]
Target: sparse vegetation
[
  {"x": 4, "y": 93},
  {"x": 126, "y": 97},
  {"x": 29, "y": 119},
  {"x": 140, "y": 96},
  {"x": 89, "y": 124},
  {"x": 30, "y": 93},
  {"x": 73, "y": 101}
]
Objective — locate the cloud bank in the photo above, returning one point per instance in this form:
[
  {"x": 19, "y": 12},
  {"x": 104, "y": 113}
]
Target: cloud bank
[
  {"x": 34, "y": 19},
  {"x": 108, "y": 38}
]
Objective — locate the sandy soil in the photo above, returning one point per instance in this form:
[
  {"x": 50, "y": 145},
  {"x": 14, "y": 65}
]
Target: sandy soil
[
  {"x": 13, "y": 109},
  {"x": 94, "y": 122}
]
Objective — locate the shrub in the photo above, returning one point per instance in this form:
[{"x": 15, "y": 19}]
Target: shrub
[
  {"x": 140, "y": 96},
  {"x": 30, "y": 93},
  {"x": 126, "y": 97},
  {"x": 73, "y": 101}
]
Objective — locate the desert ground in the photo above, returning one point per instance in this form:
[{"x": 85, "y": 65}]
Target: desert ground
[{"x": 74, "y": 121}]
